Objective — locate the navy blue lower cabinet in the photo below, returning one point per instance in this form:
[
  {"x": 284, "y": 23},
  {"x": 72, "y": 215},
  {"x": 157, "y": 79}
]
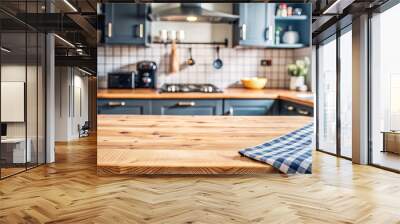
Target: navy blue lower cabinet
[
  {"x": 123, "y": 106},
  {"x": 293, "y": 109},
  {"x": 187, "y": 107},
  {"x": 250, "y": 107}
]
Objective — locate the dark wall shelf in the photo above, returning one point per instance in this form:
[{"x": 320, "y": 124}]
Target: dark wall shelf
[{"x": 258, "y": 25}]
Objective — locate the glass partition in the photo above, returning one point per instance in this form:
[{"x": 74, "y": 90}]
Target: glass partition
[
  {"x": 327, "y": 96},
  {"x": 32, "y": 98},
  {"x": 346, "y": 93},
  {"x": 22, "y": 77},
  {"x": 14, "y": 151}
]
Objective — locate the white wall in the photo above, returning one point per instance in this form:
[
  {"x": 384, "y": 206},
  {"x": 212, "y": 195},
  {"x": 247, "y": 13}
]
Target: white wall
[
  {"x": 33, "y": 126},
  {"x": 17, "y": 73},
  {"x": 71, "y": 102}
]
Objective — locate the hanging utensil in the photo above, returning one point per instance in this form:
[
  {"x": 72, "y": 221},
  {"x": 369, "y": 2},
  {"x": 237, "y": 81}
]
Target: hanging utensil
[
  {"x": 218, "y": 62},
  {"x": 190, "y": 61},
  {"x": 174, "y": 61}
]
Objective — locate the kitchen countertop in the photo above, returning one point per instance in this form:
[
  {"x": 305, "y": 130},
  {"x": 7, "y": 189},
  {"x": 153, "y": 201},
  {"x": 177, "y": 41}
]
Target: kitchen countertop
[
  {"x": 155, "y": 144},
  {"x": 230, "y": 93}
]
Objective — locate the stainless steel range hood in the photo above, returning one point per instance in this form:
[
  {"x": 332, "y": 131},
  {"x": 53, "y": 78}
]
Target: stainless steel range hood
[{"x": 193, "y": 12}]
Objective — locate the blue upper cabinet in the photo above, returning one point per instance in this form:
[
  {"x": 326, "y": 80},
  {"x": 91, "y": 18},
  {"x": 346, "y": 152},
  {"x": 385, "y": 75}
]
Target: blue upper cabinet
[
  {"x": 126, "y": 23},
  {"x": 255, "y": 25},
  {"x": 261, "y": 25}
]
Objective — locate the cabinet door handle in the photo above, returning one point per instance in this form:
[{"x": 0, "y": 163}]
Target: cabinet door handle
[
  {"x": 141, "y": 30},
  {"x": 230, "y": 112},
  {"x": 290, "y": 108},
  {"x": 243, "y": 32},
  {"x": 116, "y": 104},
  {"x": 266, "y": 34},
  {"x": 303, "y": 112},
  {"x": 109, "y": 34},
  {"x": 186, "y": 104}
]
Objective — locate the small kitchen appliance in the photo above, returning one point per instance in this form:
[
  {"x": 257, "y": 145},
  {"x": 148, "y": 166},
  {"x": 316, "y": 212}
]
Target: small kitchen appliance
[
  {"x": 121, "y": 80},
  {"x": 146, "y": 74},
  {"x": 189, "y": 88}
]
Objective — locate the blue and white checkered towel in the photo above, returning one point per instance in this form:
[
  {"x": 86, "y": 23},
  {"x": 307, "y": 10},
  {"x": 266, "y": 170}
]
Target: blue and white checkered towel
[{"x": 290, "y": 153}]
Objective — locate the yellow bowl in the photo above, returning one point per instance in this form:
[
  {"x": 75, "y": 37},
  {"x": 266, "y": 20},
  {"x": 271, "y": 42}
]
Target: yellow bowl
[{"x": 254, "y": 83}]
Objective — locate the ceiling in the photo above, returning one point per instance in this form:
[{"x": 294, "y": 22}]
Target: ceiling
[
  {"x": 74, "y": 21},
  {"x": 329, "y": 15}
]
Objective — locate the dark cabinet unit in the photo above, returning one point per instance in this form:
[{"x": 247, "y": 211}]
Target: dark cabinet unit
[
  {"x": 255, "y": 25},
  {"x": 293, "y": 109},
  {"x": 258, "y": 24},
  {"x": 250, "y": 107},
  {"x": 232, "y": 107},
  {"x": 126, "y": 23},
  {"x": 123, "y": 106},
  {"x": 187, "y": 107},
  {"x": 298, "y": 23}
]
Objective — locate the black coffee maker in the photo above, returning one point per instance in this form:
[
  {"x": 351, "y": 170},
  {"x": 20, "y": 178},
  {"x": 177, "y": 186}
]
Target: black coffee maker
[{"x": 146, "y": 74}]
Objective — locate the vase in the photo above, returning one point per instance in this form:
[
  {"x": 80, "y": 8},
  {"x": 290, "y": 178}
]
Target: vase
[{"x": 296, "y": 82}]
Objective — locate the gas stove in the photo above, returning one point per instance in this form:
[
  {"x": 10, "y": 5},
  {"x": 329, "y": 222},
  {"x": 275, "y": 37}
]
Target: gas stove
[{"x": 189, "y": 88}]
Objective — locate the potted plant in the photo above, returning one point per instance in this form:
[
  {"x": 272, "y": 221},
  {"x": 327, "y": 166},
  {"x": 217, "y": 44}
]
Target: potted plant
[{"x": 297, "y": 72}]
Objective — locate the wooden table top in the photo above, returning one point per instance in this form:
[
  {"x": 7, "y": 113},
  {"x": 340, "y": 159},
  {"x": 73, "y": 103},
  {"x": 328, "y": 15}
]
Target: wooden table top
[
  {"x": 230, "y": 93},
  {"x": 137, "y": 144}
]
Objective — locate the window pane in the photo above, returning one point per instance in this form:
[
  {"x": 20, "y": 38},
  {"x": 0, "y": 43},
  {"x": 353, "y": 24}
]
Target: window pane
[
  {"x": 385, "y": 83},
  {"x": 346, "y": 94},
  {"x": 327, "y": 97}
]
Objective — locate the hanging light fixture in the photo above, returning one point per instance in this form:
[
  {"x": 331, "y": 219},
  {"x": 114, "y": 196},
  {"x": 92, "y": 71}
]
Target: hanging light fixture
[
  {"x": 70, "y": 5},
  {"x": 84, "y": 71},
  {"x": 65, "y": 41},
  {"x": 5, "y": 50}
]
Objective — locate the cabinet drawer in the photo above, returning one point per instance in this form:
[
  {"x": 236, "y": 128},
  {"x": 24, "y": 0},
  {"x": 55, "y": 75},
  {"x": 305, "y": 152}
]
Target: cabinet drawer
[
  {"x": 187, "y": 107},
  {"x": 289, "y": 109},
  {"x": 250, "y": 107},
  {"x": 123, "y": 106}
]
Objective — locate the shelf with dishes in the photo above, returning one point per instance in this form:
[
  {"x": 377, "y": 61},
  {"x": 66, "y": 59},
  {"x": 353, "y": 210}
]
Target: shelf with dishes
[
  {"x": 292, "y": 25},
  {"x": 284, "y": 25}
]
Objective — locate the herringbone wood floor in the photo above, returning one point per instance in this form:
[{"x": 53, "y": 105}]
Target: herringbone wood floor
[{"x": 70, "y": 192}]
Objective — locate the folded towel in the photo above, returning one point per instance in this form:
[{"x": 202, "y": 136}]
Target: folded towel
[{"x": 290, "y": 153}]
